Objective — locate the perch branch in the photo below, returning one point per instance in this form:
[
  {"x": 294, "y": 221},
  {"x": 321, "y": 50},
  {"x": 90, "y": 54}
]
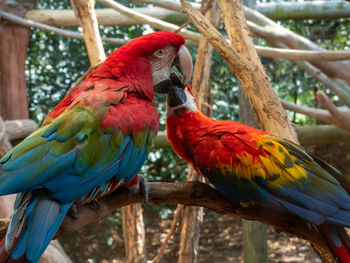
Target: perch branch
[
  {"x": 154, "y": 22},
  {"x": 187, "y": 193}
]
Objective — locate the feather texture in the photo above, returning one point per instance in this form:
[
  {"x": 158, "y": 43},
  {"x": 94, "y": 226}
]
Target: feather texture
[
  {"x": 249, "y": 165},
  {"x": 95, "y": 138}
]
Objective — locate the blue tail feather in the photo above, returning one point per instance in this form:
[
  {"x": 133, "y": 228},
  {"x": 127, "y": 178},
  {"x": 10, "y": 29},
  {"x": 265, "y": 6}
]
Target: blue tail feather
[{"x": 42, "y": 217}]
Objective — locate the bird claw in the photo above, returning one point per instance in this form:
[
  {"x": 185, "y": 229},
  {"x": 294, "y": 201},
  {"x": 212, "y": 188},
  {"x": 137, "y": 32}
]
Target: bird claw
[
  {"x": 72, "y": 212},
  {"x": 144, "y": 189}
]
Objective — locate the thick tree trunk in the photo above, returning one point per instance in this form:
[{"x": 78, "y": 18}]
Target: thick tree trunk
[
  {"x": 134, "y": 234},
  {"x": 193, "y": 216},
  {"x": 13, "y": 52}
]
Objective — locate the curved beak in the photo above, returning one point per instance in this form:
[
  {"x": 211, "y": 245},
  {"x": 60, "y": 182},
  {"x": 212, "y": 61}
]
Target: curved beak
[{"x": 183, "y": 62}]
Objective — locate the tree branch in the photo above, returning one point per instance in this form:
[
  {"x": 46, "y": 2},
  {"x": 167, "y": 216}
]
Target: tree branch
[
  {"x": 280, "y": 10},
  {"x": 277, "y": 53},
  {"x": 343, "y": 91},
  {"x": 66, "y": 33},
  {"x": 187, "y": 193},
  {"x": 85, "y": 13},
  {"x": 154, "y": 22},
  {"x": 105, "y": 16}
]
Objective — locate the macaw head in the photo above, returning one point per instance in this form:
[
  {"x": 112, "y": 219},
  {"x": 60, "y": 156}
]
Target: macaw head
[{"x": 146, "y": 61}]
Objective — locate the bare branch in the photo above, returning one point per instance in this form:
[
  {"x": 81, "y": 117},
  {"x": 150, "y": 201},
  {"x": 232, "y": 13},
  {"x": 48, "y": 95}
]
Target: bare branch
[
  {"x": 280, "y": 10},
  {"x": 322, "y": 115},
  {"x": 58, "y": 31},
  {"x": 308, "y": 55},
  {"x": 342, "y": 91},
  {"x": 340, "y": 116},
  {"x": 105, "y": 16},
  {"x": 85, "y": 13},
  {"x": 187, "y": 193},
  {"x": 154, "y": 22}
]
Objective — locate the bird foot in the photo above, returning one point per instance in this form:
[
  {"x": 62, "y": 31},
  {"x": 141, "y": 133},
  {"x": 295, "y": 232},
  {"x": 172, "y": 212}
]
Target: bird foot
[
  {"x": 72, "y": 212},
  {"x": 144, "y": 189}
]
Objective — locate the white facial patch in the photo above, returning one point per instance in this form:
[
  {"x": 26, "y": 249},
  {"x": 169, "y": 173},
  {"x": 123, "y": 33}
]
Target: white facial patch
[{"x": 190, "y": 104}]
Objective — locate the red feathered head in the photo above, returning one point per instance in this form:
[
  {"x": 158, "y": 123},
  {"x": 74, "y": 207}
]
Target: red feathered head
[{"x": 146, "y": 61}]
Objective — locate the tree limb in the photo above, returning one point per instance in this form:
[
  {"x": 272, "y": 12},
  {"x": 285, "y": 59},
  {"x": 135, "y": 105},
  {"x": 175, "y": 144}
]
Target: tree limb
[
  {"x": 277, "y": 53},
  {"x": 105, "y": 16},
  {"x": 279, "y": 36},
  {"x": 85, "y": 13},
  {"x": 66, "y": 33},
  {"x": 187, "y": 193},
  {"x": 280, "y": 10},
  {"x": 154, "y": 22},
  {"x": 341, "y": 90}
]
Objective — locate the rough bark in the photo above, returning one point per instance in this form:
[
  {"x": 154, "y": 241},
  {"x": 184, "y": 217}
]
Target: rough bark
[
  {"x": 85, "y": 13},
  {"x": 13, "y": 52},
  {"x": 105, "y": 16},
  {"x": 134, "y": 234}
]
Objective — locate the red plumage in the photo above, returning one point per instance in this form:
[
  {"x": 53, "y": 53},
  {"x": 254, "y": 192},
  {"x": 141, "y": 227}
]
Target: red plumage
[{"x": 248, "y": 165}]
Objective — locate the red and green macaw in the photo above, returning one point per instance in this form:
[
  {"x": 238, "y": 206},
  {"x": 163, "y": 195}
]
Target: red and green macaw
[
  {"x": 248, "y": 165},
  {"x": 96, "y": 137}
]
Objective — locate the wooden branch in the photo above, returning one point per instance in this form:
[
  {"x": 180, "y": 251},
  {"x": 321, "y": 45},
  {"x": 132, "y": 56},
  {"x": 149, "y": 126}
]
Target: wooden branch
[
  {"x": 246, "y": 66},
  {"x": 308, "y": 55},
  {"x": 19, "y": 129},
  {"x": 156, "y": 23},
  {"x": 281, "y": 10},
  {"x": 340, "y": 116},
  {"x": 322, "y": 134},
  {"x": 305, "y": 10},
  {"x": 341, "y": 90},
  {"x": 277, "y": 53},
  {"x": 5, "y": 144},
  {"x": 187, "y": 193},
  {"x": 105, "y": 16},
  {"x": 66, "y": 33},
  {"x": 85, "y": 13},
  {"x": 279, "y": 36}
]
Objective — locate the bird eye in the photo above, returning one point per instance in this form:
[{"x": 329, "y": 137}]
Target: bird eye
[
  {"x": 195, "y": 101},
  {"x": 159, "y": 53}
]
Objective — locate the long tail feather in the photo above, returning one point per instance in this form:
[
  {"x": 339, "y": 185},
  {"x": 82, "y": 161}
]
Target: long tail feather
[
  {"x": 338, "y": 241},
  {"x": 34, "y": 223}
]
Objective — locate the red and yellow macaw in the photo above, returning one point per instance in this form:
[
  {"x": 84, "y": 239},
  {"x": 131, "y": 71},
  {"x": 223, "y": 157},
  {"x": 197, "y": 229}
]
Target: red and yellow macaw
[
  {"x": 248, "y": 165},
  {"x": 98, "y": 136}
]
